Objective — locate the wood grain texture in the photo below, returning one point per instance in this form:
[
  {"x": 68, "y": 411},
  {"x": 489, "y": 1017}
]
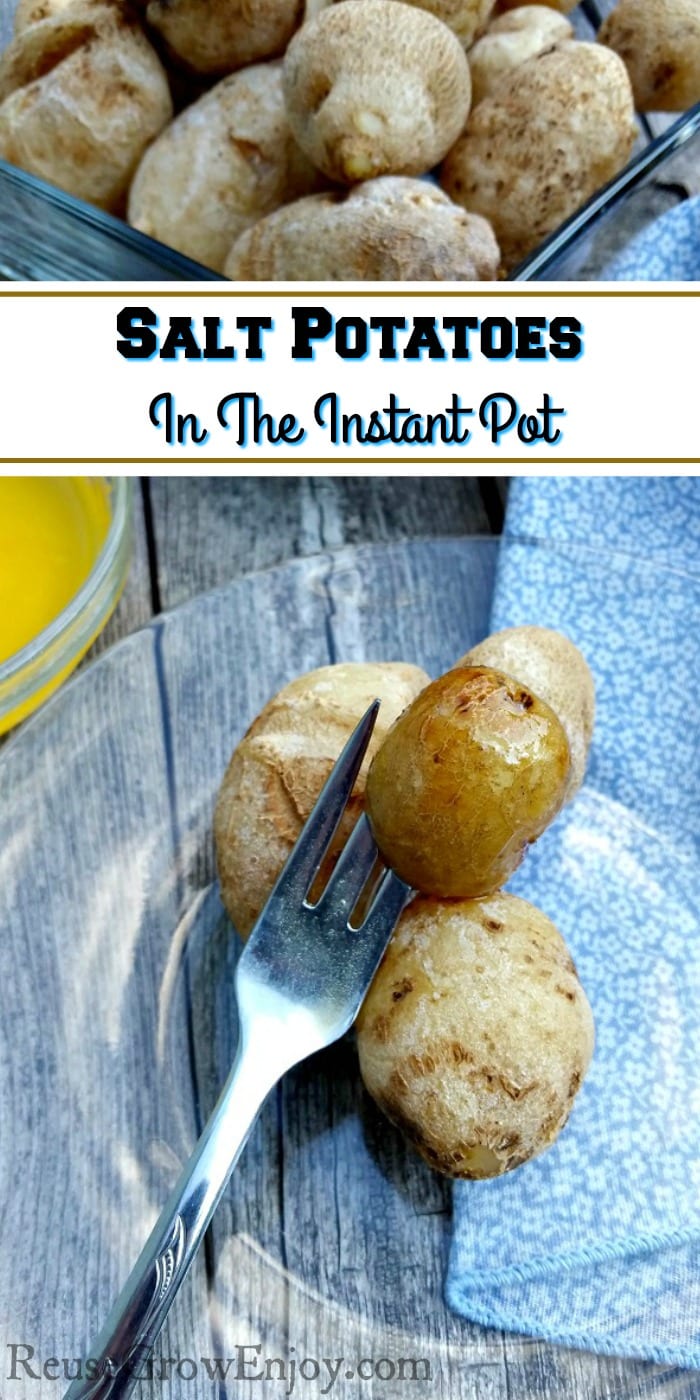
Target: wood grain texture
[{"x": 210, "y": 530}]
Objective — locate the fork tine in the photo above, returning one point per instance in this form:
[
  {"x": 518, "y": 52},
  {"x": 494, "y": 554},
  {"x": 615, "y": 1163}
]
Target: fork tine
[
  {"x": 391, "y": 896},
  {"x": 352, "y": 871},
  {"x": 306, "y": 856}
]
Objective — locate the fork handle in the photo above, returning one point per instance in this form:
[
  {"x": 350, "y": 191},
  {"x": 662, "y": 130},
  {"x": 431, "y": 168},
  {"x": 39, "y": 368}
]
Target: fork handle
[{"x": 147, "y": 1296}]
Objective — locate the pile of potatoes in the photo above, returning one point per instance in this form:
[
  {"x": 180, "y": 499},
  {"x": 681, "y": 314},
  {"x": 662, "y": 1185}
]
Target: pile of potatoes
[
  {"x": 476, "y": 1034},
  {"x": 304, "y": 131}
]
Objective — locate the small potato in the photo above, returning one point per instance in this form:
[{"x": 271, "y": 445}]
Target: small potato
[
  {"x": 476, "y": 1034},
  {"x": 552, "y": 132},
  {"x": 226, "y": 161},
  {"x": 375, "y": 87},
  {"x": 280, "y": 766},
  {"x": 82, "y": 93},
  {"x": 553, "y": 668},
  {"x": 218, "y": 36},
  {"x": 509, "y": 40},
  {"x": 659, "y": 41},
  {"x": 387, "y": 230},
  {"x": 473, "y": 772}
]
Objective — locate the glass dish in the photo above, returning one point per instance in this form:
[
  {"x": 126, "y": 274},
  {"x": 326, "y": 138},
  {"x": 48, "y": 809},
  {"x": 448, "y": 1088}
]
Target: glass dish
[
  {"x": 31, "y": 674},
  {"x": 46, "y": 235},
  {"x": 331, "y": 1239}
]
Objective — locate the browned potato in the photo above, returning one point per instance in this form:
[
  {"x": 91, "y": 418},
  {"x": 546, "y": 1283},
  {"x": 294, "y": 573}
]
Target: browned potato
[
  {"x": 553, "y": 668},
  {"x": 473, "y": 772},
  {"x": 552, "y": 132},
  {"x": 222, "y": 164},
  {"x": 375, "y": 88},
  {"x": 509, "y": 40},
  {"x": 218, "y": 36},
  {"x": 476, "y": 1034},
  {"x": 386, "y": 230},
  {"x": 82, "y": 93},
  {"x": 279, "y": 768},
  {"x": 659, "y": 41}
]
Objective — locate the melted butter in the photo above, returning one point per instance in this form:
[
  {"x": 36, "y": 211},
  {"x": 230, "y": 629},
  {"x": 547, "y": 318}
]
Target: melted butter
[{"x": 51, "y": 532}]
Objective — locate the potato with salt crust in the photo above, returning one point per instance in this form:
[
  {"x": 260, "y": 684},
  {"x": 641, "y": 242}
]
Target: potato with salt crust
[
  {"x": 280, "y": 766},
  {"x": 224, "y": 162},
  {"x": 392, "y": 229},
  {"x": 82, "y": 93},
  {"x": 476, "y": 1034},
  {"x": 218, "y": 36},
  {"x": 552, "y": 132},
  {"x": 509, "y": 40},
  {"x": 553, "y": 668},
  {"x": 375, "y": 87},
  {"x": 467, "y": 777},
  {"x": 466, "y": 18},
  {"x": 659, "y": 41}
]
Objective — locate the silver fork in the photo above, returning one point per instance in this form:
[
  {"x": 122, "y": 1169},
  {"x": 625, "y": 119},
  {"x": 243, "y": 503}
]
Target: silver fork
[{"x": 299, "y": 984}]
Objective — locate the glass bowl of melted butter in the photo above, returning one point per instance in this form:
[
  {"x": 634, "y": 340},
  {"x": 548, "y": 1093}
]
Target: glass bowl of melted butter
[{"x": 65, "y": 547}]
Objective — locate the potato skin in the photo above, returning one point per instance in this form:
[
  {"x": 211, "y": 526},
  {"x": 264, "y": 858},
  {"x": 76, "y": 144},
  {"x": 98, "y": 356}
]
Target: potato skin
[
  {"x": 466, "y": 18},
  {"x": 223, "y": 163},
  {"x": 563, "y": 7},
  {"x": 375, "y": 88},
  {"x": 219, "y": 36},
  {"x": 509, "y": 40},
  {"x": 472, "y": 773},
  {"x": 659, "y": 41},
  {"x": 386, "y": 230},
  {"x": 550, "y": 666},
  {"x": 277, "y": 771},
  {"x": 549, "y": 135},
  {"x": 476, "y": 1034},
  {"x": 82, "y": 93}
]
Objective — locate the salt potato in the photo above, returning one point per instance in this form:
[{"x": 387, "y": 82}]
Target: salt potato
[
  {"x": 659, "y": 41},
  {"x": 221, "y": 165},
  {"x": 476, "y": 1034},
  {"x": 509, "y": 40},
  {"x": 375, "y": 87},
  {"x": 466, "y": 778},
  {"x": 385, "y": 230},
  {"x": 218, "y": 36},
  {"x": 547, "y": 137},
  {"x": 551, "y": 666},
  {"x": 278, "y": 769},
  {"x": 82, "y": 93}
]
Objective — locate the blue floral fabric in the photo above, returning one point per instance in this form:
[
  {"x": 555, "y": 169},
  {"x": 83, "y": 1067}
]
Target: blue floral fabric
[
  {"x": 597, "y": 1243},
  {"x": 667, "y": 251}
]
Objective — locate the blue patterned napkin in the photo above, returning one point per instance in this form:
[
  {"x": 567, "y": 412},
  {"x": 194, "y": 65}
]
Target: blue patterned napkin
[
  {"x": 667, "y": 251},
  {"x": 597, "y": 1243}
]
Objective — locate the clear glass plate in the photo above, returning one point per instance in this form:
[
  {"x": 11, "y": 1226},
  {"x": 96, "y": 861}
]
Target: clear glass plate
[{"x": 118, "y": 1023}]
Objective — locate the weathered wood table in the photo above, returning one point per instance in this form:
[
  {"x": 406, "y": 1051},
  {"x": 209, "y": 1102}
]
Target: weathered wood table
[{"x": 302, "y": 1259}]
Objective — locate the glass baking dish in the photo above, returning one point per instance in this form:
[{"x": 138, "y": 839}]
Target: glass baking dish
[{"x": 47, "y": 235}]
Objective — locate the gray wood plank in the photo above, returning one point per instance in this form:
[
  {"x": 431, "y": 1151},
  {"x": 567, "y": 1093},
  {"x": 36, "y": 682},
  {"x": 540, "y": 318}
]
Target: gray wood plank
[{"x": 210, "y": 530}]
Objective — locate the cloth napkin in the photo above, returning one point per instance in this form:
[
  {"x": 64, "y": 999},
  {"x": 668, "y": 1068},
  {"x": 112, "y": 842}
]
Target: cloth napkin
[
  {"x": 597, "y": 1243},
  {"x": 667, "y": 251}
]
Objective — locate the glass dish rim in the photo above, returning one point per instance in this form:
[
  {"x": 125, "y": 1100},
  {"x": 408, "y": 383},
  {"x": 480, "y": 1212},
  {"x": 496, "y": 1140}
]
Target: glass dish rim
[{"x": 54, "y": 633}]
